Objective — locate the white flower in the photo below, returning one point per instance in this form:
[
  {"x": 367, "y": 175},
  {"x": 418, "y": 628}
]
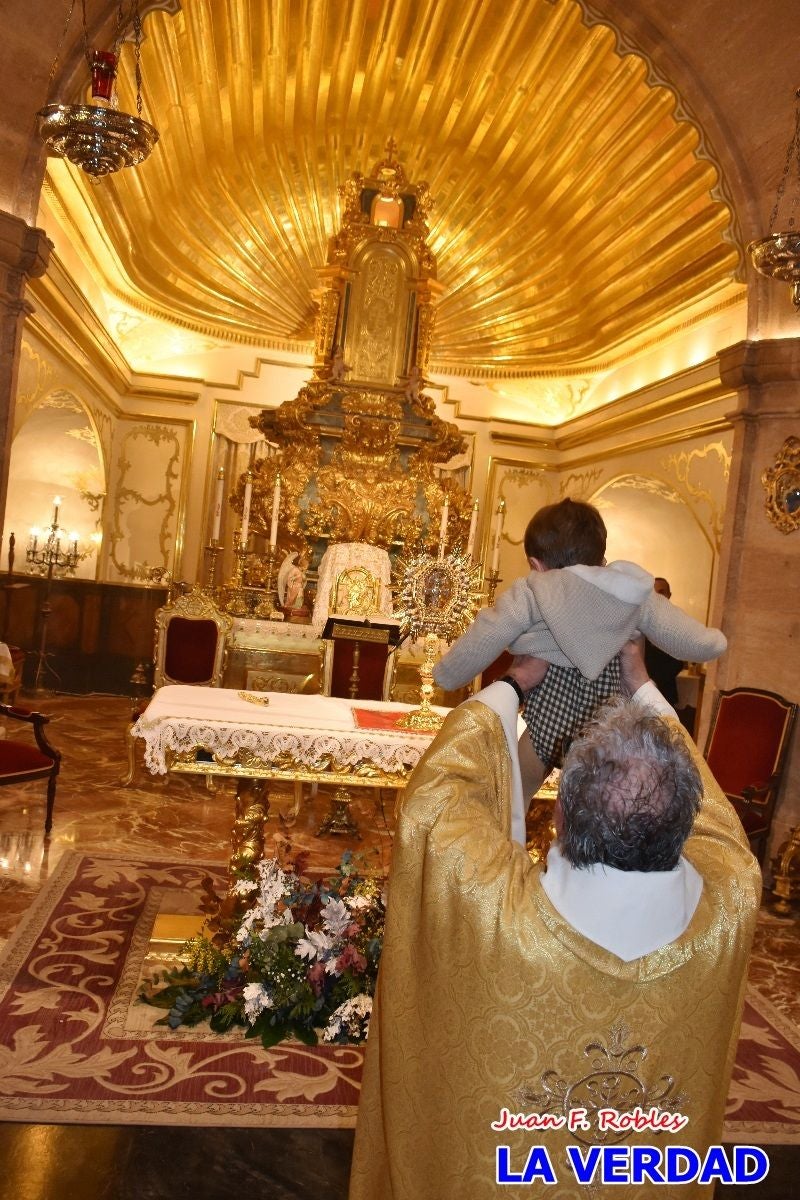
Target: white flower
[
  {"x": 274, "y": 883},
  {"x": 358, "y": 902},
  {"x": 256, "y": 1000},
  {"x": 243, "y": 933},
  {"x": 313, "y": 945},
  {"x": 336, "y": 917},
  {"x": 350, "y": 1018},
  {"x": 243, "y": 887}
]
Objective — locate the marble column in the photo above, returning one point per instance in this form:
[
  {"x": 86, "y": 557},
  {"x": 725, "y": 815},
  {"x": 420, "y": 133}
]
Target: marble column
[
  {"x": 757, "y": 599},
  {"x": 24, "y": 253}
]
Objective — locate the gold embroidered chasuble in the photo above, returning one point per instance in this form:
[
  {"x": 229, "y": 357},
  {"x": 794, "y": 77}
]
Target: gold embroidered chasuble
[{"x": 488, "y": 999}]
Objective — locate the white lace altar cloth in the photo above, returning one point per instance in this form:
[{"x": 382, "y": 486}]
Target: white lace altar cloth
[
  {"x": 343, "y": 556},
  {"x": 249, "y": 633},
  {"x": 308, "y": 729}
]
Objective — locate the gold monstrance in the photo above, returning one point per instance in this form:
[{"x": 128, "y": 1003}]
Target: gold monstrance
[{"x": 438, "y": 597}]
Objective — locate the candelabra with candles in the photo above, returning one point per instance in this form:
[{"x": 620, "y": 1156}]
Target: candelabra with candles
[
  {"x": 268, "y": 605},
  {"x": 214, "y": 548},
  {"x": 492, "y": 577},
  {"x": 47, "y": 558}
]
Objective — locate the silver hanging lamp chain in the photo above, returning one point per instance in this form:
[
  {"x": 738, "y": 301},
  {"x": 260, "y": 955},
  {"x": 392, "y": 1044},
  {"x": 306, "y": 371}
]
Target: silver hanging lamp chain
[
  {"x": 777, "y": 256},
  {"x": 98, "y": 137}
]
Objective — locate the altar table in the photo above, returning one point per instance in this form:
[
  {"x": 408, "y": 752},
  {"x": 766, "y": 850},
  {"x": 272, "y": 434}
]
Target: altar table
[
  {"x": 306, "y": 738},
  {"x": 299, "y": 739}
]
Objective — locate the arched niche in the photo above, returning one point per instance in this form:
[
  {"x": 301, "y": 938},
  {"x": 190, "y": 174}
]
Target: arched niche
[
  {"x": 56, "y": 452},
  {"x": 379, "y": 314},
  {"x": 650, "y": 523}
]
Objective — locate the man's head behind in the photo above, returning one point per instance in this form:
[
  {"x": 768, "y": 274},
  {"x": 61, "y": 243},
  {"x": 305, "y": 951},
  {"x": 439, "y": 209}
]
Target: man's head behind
[
  {"x": 629, "y": 792},
  {"x": 560, "y": 535}
]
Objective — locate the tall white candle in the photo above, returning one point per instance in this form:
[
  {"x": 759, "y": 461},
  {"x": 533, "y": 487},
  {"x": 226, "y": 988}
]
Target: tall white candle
[
  {"x": 443, "y": 526},
  {"x": 276, "y": 503},
  {"x": 498, "y": 533},
  {"x": 473, "y": 525},
  {"x": 248, "y": 493},
  {"x": 218, "y": 505}
]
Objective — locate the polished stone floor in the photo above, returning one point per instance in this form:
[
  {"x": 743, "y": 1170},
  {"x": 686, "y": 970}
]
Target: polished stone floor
[{"x": 181, "y": 817}]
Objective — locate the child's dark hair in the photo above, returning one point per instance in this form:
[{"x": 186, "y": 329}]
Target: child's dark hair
[{"x": 563, "y": 534}]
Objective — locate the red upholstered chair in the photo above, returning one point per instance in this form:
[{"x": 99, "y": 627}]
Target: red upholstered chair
[
  {"x": 746, "y": 751},
  {"x": 190, "y": 647},
  {"x": 21, "y": 762},
  {"x": 191, "y": 641}
]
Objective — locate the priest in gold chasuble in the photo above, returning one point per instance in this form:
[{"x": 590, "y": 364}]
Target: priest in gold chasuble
[{"x": 506, "y": 996}]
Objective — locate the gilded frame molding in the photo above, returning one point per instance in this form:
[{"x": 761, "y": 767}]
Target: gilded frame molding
[{"x": 781, "y": 483}]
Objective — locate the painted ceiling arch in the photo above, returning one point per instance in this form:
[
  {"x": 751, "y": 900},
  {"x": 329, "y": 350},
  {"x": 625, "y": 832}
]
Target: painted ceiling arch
[{"x": 579, "y": 208}]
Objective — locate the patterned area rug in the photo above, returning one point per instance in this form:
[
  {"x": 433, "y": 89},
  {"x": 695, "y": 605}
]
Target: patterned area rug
[
  {"x": 76, "y": 1046},
  {"x": 764, "y": 1096}
]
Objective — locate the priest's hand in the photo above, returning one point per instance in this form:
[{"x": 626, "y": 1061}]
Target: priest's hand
[
  {"x": 631, "y": 662},
  {"x": 527, "y": 671}
]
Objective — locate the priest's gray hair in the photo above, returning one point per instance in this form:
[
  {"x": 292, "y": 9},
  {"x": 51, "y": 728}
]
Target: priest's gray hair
[{"x": 629, "y": 791}]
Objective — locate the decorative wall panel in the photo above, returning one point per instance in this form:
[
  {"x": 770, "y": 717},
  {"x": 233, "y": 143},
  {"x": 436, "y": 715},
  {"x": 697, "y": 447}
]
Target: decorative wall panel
[{"x": 146, "y": 505}]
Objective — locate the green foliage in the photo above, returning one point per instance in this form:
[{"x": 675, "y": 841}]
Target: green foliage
[{"x": 305, "y": 958}]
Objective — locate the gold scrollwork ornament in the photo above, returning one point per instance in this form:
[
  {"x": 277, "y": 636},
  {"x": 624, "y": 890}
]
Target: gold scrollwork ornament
[{"x": 782, "y": 485}]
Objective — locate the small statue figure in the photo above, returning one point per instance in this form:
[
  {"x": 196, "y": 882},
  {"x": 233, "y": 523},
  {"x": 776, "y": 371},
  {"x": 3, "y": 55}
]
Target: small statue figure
[
  {"x": 292, "y": 580},
  {"x": 414, "y": 384}
]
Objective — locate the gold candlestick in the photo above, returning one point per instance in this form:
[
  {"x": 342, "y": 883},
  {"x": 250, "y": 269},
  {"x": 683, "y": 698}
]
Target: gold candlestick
[
  {"x": 267, "y": 606},
  {"x": 213, "y": 550},
  {"x": 237, "y": 604},
  {"x": 491, "y": 581}
]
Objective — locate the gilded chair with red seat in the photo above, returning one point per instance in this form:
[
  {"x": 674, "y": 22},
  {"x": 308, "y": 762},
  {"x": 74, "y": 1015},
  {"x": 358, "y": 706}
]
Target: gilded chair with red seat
[
  {"x": 21, "y": 762},
  {"x": 191, "y": 636},
  {"x": 746, "y": 752},
  {"x": 191, "y": 641}
]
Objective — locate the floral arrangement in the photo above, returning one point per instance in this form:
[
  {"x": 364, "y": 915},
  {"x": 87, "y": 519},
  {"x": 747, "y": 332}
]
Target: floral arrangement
[{"x": 301, "y": 961}]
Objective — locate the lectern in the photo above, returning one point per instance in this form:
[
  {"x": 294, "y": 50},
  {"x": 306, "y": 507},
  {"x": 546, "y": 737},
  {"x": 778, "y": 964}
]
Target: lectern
[{"x": 359, "y": 657}]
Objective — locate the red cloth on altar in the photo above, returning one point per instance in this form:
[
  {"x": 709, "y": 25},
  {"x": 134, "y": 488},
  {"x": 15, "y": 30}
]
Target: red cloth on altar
[{"x": 370, "y": 718}]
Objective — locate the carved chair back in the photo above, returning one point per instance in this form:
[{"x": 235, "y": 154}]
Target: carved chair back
[
  {"x": 21, "y": 762},
  {"x": 191, "y": 641}
]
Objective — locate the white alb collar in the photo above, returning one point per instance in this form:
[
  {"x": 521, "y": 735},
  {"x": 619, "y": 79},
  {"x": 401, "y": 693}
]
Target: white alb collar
[{"x": 630, "y": 913}]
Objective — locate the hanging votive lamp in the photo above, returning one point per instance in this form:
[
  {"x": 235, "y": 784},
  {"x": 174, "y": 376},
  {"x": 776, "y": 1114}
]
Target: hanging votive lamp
[
  {"x": 778, "y": 254},
  {"x": 98, "y": 137}
]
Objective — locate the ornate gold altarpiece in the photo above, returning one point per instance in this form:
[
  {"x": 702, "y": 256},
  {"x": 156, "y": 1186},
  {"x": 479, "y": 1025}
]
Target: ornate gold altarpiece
[{"x": 358, "y": 447}]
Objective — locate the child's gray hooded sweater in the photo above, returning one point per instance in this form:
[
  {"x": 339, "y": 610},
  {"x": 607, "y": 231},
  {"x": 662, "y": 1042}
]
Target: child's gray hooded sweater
[{"x": 580, "y": 617}]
